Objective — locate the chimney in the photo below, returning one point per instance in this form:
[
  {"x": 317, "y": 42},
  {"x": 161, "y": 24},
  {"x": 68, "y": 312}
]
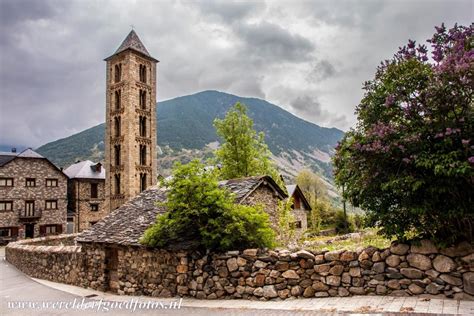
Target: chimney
[{"x": 13, "y": 150}]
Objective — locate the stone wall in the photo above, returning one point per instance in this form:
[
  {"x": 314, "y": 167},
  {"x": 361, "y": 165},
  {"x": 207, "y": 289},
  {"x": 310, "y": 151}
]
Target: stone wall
[
  {"x": 400, "y": 270},
  {"x": 59, "y": 259}
]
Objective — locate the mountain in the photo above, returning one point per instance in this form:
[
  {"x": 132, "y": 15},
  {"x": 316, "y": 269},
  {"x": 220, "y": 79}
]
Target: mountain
[{"x": 185, "y": 131}]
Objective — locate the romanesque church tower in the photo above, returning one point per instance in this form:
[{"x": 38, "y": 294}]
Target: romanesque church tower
[{"x": 130, "y": 134}]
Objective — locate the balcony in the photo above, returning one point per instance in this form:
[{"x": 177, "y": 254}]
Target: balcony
[{"x": 29, "y": 216}]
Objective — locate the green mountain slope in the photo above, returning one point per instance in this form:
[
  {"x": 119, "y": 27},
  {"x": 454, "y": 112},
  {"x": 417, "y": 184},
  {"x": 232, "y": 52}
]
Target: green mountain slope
[{"x": 185, "y": 131}]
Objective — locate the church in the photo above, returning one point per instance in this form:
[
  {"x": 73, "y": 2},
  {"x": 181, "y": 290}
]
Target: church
[{"x": 130, "y": 135}]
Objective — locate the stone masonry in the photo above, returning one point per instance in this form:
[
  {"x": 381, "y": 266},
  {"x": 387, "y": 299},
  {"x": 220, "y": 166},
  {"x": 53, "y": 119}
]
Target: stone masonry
[
  {"x": 81, "y": 202},
  {"x": 401, "y": 270},
  {"x": 39, "y": 169},
  {"x": 130, "y": 122}
]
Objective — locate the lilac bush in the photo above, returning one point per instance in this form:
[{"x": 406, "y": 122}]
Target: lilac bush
[{"x": 409, "y": 162}]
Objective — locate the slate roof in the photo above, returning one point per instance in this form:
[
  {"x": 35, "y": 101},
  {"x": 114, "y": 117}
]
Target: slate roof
[
  {"x": 295, "y": 189},
  {"x": 6, "y": 158},
  {"x": 85, "y": 170},
  {"x": 126, "y": 225},
  {"x": 133, "y": 42},
  {"x": 243, "y": 187}
]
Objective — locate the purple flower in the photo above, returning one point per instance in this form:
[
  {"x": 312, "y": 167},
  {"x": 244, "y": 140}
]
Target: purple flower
[
  {"x": 465, "y": 142},
  {"x": 406, "y": 160},
  {"x": 389, "y": 100},
  {"x": 471, "y": 159}
]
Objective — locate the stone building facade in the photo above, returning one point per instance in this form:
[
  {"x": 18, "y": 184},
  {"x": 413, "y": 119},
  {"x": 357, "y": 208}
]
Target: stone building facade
[
  {"x": 301, "y": 208},
  {"x": 33, "y": 196},
  {"x": 86, "y": 195},
  {"x": 130, "y": 134}
]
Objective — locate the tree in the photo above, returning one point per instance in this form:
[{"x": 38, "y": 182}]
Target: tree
[
  {"x": 311, "y": 185},
  {"x": 286, "y": 220},
  {"x": 409, "y": 162},
  {"x": 203, "y": 215},
  {"x": 315, "y": 192},
  {"x": 243, "y": 152}
]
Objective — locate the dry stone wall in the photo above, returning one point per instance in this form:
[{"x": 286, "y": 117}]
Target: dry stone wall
[{"x": 400, "y": 270}]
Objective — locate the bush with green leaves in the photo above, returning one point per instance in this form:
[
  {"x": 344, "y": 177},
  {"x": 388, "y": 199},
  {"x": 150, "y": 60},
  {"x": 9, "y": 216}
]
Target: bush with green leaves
[
  {"x": 203, "y": 215},
  {"x": 409, "y": 162}
]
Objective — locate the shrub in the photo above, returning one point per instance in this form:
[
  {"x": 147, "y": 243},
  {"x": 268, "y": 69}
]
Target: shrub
[
  {"x": 410, "y": 160},
  {"x": 202, "y": 215},
  {"x": 344, "y": 225}
]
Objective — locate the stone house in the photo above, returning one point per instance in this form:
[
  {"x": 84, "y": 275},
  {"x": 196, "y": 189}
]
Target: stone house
[
  {"x": 86, "y": 195},
  {"x": 33, "y": 196},
  {"x": 126, "y": 225},
  {"x": 301, "y": 208}
]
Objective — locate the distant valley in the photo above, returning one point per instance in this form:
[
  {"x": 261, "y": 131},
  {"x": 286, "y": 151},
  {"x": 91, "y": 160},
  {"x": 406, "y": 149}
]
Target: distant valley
[{"x": 185, "y": 131}]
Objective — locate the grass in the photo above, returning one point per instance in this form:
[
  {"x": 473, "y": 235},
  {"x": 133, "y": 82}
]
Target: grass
[{"x": 369, "y": 237}]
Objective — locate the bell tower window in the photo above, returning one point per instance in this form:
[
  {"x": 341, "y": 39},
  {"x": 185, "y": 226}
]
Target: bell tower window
[
  {"x": 142, "y": 99},
  {"x": 117, "y": 183},
  {"x": 117, "y": 99},
  {"x": 143, "y": 155},
  {"x": 117, "y": 155},
  {"x": 142, "y": 73},
  {"x": 117, "y": 126},
  {"x": 142, "y": 182},
  {"x": 118, "y": 72},
  {"x": 142, "y": 126}
]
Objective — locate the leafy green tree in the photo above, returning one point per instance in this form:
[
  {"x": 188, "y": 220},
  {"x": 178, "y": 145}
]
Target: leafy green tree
[
  {"x": 202, "y": 214},
  {"x": 409, "y": 162},
  {"x": 286, "y": 220},
  {"x": 315, "y": 192},
  {"x": 243, "y": 152}
]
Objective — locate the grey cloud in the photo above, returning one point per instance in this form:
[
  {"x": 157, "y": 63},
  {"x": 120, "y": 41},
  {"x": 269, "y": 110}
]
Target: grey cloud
[
  {"x": 321, "y": 70},
  {"x": 310, "y": 107},
  {"x": 229, "y": 11},
  {"x": 345, "y": 13},
  {"x": 17, "y": 11},
  {"x": 273, "y": 43},
  {"x": 261, "y": 40},
  {"x": 52, "y": 78},
  {"x": 307, "y": 104}
]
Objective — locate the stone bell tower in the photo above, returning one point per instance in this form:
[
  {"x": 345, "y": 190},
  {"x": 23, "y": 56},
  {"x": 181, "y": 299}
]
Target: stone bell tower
[{"x": 130, "y": 133}]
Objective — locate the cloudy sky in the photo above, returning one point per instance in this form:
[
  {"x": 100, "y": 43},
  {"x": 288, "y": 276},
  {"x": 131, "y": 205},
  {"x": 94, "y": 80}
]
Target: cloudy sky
[{"x": 309, "y": 57}]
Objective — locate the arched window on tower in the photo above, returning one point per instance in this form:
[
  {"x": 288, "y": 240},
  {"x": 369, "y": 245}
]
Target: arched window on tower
[
  {"x": 142, "y": 126},
  {"x": 142, "y": 99},
  {"x": 118, "y": 99},
  {"x": 142, "y": 73},
  {"x": 117, "y": 155},
  {"x": 117, "y": 126},
  {"x": 142, "y": 182},
  {"x": 117, "y": 183},
  {"x": 142, "y": 155},
  {"x": 118, "y": 72}
]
